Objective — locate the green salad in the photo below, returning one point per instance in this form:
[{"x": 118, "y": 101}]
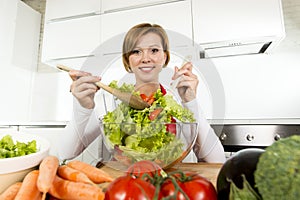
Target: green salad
[
  {"x": 9, "y": 148},
  {"x": 135, "y": 134}
]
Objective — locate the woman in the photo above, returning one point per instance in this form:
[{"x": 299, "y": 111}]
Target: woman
[{"x": 145, "y": 53}]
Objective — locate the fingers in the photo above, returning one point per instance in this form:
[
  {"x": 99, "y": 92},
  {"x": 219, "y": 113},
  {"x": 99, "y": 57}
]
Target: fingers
[
  {"x": 83, "y": 87},
  {"x": 83, "y": 83},
  {"x": 188, "y": 81},
  {"x": 75, "y": 74},
  {"x": 186, "y": 70},
  {"x": 185, "y": 73},
  {"x": 80, "y": 85}
]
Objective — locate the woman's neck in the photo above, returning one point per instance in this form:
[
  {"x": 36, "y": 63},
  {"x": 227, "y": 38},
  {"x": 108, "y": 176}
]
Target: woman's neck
[{"x": 147, "y": 88}]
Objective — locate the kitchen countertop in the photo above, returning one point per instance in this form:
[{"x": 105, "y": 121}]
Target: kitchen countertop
[{"x": 207, "y": 170}]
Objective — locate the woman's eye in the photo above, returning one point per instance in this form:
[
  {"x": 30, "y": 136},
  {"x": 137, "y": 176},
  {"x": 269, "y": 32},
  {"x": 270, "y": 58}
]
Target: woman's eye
[
  {"x": 155, "y": 50},
  {"x": 135, "y": 52}
]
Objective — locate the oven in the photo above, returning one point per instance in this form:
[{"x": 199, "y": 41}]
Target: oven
[{"x": 235, "y": 137}]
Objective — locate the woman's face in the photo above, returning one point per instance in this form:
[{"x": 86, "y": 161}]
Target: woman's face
[{"x": 147, "y": 59}]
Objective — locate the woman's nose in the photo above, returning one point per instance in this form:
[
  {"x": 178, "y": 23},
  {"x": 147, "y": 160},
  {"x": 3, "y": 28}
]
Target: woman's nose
[{"x": 145, "y": 56}]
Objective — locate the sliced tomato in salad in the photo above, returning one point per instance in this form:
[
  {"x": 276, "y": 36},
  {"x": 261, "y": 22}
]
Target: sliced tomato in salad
[
  {"x": 172, "y": 127},
  {"x": 144, "y": 97},
  {"x": 153, "y": 115},
  {"x": 149, "y": 99}
]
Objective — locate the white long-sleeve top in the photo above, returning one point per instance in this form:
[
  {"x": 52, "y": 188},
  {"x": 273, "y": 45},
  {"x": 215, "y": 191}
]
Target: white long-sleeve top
[{"x": 84, "y": 128}]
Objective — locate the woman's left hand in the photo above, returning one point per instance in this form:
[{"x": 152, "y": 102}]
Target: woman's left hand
[{"x": 188, "y": 83}]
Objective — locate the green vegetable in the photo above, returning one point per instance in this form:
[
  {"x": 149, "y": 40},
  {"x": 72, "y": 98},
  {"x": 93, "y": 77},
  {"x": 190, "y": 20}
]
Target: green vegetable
[
  {"x": 9, "y": 149},
  {"x": 278, "y": 170},
  {"x": 124, "y": 88},
  {"x": 140, "y": 138},
  {"x": 246, "y": 193}
]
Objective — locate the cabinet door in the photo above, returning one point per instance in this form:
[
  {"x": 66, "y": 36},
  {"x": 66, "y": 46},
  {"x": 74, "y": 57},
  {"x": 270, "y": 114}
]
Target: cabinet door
[
  {"x": 233, "y": 19},
  {"x": 71, "y": 38},
  {"x": 174, "y": 17},
  {"x": 51, "y": 133},
  {"x": 8, "y": 12},
  {"x": 117, "y": 5},
  {"x": 26, "y": 37},
  {"x": 19, "y": 34},
  {"x": 65, "y": 8}
]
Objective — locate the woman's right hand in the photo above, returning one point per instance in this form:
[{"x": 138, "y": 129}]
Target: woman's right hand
[{"x": 83, "y": 87}]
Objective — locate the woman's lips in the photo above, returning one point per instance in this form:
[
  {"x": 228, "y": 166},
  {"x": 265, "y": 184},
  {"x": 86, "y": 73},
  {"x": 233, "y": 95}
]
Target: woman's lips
[{"x": 147, "y": 68}]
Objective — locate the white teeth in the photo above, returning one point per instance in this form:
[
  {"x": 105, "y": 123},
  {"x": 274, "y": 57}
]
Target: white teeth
[{"x": 146, "y": 69}]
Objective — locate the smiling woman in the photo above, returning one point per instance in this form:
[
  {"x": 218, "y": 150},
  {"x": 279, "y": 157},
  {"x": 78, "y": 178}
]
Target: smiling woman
[{"x": 145, "y": 53}]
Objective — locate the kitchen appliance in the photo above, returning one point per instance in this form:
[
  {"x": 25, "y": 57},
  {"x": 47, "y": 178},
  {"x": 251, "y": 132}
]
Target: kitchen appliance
[
  {"x": 237, "y": 27},
  {"x": 235, "y": 137}
]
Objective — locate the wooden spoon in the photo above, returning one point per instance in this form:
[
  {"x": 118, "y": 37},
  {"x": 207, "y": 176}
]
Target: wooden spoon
[{"x": 132, "y": 100}]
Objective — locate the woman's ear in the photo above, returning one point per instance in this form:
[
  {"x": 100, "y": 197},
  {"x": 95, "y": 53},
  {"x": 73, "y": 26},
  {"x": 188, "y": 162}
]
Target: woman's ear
[{"x": 165, "y": 58}]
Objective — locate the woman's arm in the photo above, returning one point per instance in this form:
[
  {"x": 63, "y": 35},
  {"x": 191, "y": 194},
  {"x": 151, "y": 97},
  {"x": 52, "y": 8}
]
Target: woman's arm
[
  {"x": 207, "y": 146},
  {"x": 82, "y": 129},
  {"x": 84, "y": 125}
]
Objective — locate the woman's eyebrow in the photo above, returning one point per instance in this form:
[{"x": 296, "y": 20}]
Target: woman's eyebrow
[{"x": 152, "y": 45}]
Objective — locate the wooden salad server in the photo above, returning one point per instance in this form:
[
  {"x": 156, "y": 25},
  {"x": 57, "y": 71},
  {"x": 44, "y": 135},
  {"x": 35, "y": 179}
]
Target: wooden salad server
[{"x": 132, "y": 100}]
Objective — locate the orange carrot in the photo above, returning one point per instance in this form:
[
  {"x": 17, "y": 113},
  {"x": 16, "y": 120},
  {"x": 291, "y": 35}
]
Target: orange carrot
[
  {"x": 11, "y": 192},
  {"x": 50, "y": 197},
  {"x": 48, "y": 169},
  {"x": 64, "y": 189},
  {"x": 71, "y": 174},
  {"x": 95, "y": 174},
  {"x": 28, "y": 189}
]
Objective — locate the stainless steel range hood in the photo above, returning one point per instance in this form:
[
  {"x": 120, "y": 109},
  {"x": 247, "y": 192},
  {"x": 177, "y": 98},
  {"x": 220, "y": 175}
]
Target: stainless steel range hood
[{"x": 236, "y": 27}]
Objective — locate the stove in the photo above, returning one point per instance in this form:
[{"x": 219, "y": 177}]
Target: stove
[{"x": 235, "y": 137}]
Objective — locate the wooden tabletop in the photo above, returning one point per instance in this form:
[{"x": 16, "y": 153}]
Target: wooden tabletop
[{"x": 207, "y": 170}]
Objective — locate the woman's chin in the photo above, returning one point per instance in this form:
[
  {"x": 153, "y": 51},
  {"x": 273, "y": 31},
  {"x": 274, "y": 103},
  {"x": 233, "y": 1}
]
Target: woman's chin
[{"x": 148, "y": 87}]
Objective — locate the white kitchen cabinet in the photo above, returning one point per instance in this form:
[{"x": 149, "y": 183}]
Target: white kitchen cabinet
[
  {"x": 51, "y": 133},
  {"x": 175, "y": 17},
  {"x": 51, "y": 97},
  {"x": 54, "y": 134},
  {"x": 56, "y": 9},
  {"x": 230, "y": 20},
  {"x": 19, "y": 36},
  {"x": 26, "y": 37},
  {"x": 117, "y": 5},
  {"x": 8, "y": 12},
  {"x": 6, "y": 129},
  {"x": 71, "y": 38}
]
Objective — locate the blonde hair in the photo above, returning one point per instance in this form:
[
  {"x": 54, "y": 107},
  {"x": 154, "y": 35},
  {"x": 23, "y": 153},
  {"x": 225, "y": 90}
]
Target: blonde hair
[{"x": 134, "y": 34}]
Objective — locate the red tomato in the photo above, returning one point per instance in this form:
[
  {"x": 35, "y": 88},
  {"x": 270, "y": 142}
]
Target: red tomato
[
  {"x": 193, "y": 185},
  {"x": 172, "y": 127},
  {"x": 129, "y": 187},
  {"x": 153, "y": 115},
  {"x": 144, "y": 97},
  {"x": 144, "y": 167},
  {"x": 149, "y": 99}
]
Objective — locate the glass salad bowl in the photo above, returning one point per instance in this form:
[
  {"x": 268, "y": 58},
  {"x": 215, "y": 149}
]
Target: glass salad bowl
[{"x": 164, "y": 143}]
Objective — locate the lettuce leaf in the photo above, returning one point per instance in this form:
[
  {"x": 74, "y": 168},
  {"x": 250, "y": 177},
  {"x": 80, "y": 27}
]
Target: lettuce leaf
[{"x": 9, "y": 149}]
